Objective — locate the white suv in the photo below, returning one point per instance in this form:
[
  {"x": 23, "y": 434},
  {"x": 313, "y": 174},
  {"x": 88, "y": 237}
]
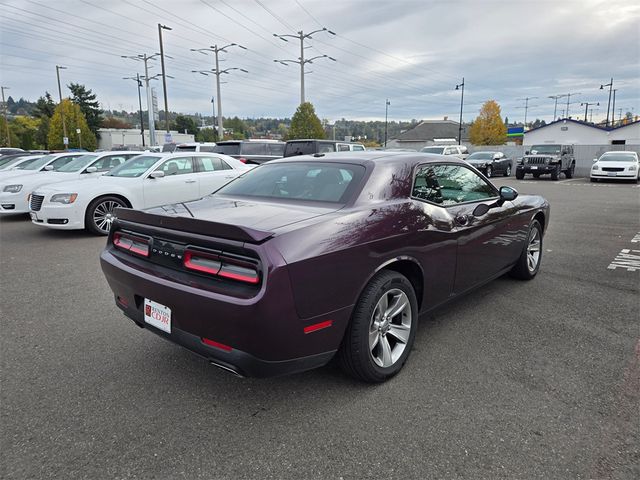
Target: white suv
[{"x": 459, "y": 151}]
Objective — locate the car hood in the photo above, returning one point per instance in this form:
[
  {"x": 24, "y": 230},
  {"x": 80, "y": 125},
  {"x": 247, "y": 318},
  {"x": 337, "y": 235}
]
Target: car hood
[
  {"x": 254, "y": 214},
  {"x": 615, "y": 164}
]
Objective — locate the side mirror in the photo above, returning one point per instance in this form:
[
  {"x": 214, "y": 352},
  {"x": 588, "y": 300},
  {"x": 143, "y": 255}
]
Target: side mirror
[
  {"x": 496, "y": 156},
  {"x": 595, "y": 160},
  {"x": 508, "y": 193},
  {"x": 48, "y": 168},
  {"x": 527, "y": 152},
  {"x": 157, "y": 174},
  {"x": 91, "y": 169}
]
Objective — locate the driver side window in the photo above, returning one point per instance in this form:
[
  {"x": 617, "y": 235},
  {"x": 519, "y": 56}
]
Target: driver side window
[{"x": 450, "y": 185}]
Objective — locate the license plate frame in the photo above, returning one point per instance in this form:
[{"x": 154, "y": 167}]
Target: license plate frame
[
  {"x": 612, "y": 174},
  {"x": 157, "y": 315},
  {"x": 534, "y": 167}
]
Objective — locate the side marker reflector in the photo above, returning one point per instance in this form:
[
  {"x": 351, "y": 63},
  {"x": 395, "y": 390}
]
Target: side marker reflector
[
  {"x": 215, "y": 344},
  {"x": 318, "y": 326}
]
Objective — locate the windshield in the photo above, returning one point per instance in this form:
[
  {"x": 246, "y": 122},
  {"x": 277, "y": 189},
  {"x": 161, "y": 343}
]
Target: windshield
[
  {"x": 480, "y": 156},
  {"x": 321, "y": 182},
  {"x": 9, "y": 159},
  {"x": 134, "y": 167},
  {"x": 35, "y": 165},
  {"x": 227, "y": 148},
  {"x": 618, "y": 157},
  {"x": 77, "y": 164},
  {"x": 437, "y": 150},
  {"x": 552, "y": 149}
]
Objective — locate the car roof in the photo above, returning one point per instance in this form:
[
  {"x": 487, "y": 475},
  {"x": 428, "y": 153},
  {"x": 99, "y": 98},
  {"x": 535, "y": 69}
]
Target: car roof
[
  {"x": 368, "y": 156},
  {"x": 321, "y": 140}
]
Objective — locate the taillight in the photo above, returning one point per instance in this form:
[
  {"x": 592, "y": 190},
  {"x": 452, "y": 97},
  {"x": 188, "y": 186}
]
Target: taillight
[
  {"x": 243, "y": 160},
  {"x": 131, "y": 243},
  {"x": 221, "y": 265}
]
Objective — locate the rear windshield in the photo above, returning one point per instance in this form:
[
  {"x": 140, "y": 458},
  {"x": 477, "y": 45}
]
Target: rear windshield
[
  {"x": 227, "y": 148},
  {"x": 185, "y": 148},
  {"x": 549, "y": 149},
  {"x": 320, "y": 182},
  {"x": 437, "y": 150},
  {"x": 308, "y": 148},
  {"x": 134, "y": 167}
]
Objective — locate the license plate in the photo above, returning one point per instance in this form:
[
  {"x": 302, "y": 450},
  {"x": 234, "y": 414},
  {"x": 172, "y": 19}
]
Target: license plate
[
  {"x": 34, "y": 216},
  {"x": 534, "y": 168},
  {"x": 611, "y": 174},
  {"x": 157, "y": 315}
]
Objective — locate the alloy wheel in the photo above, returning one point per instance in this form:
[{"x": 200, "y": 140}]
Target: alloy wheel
[
  {"x": 103, "y": 214},
  {"x": 390, "y": 328},
  {"x": 533, "y": 250}
]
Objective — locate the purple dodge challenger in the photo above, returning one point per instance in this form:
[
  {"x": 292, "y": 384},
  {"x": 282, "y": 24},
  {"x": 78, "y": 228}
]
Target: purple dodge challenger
[{"x": 303, "y": 259}]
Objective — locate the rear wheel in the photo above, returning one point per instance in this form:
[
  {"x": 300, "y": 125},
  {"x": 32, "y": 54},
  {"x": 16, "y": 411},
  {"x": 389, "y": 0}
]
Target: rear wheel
[
  {"x": 569, "y": 172},
  {"x": 519, "y": 174},
  {"x": 100, "y": 214},
  {"x": 528, "y": 264},
  {"x": 383, "y": 326},
  {"x": 507, "y": 172}
]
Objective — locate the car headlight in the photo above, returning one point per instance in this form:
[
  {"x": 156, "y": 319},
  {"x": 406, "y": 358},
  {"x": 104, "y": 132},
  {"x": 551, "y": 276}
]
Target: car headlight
[
  {"x": 632, "y": 168},
  {"x": 12, "y": 188},
  {"x": 594, "y": 167},
  {"x": 64, "y": 198}
]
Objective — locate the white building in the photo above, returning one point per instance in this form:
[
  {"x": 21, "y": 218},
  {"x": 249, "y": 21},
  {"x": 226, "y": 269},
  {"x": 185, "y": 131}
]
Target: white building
[
  {"x": 573, "y": 132},
  {"x": 111, "y": 138}
]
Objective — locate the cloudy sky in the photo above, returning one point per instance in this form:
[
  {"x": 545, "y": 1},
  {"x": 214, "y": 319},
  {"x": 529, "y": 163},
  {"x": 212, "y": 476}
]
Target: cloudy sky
[{"x": 411, "y": 52}]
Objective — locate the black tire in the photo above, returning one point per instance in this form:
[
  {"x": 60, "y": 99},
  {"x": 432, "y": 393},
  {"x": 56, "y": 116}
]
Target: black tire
[
  {"x": 555, "y": 173},
  {"x": 489, "y": 171},
  {"x": 522, "y": 269},
  {"x": 569, "y": 172},
  {"x": 519, "y": 174},
  {"x": 593, "y": 180},
  {"x": 100, "y": 205},
  {"x": 355, "y": 355},
  {"x": 507, "y": 171}
]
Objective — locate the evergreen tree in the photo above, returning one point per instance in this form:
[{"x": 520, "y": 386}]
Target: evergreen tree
[
  {"x": 74, "y": 119},
  {"x": 182, "y": 123},
  {"x": 488, "y": 128},
  {"x": 45, "y": 106},
  {"x": 305, "y": 123},
  {"x": 90, "y": 107}
]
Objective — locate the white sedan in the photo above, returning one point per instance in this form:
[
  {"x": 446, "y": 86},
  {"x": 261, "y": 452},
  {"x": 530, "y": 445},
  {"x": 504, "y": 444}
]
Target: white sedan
[
  {"x": 149, "y": 180},
  {"x": 15, "y": 190},
  {"x": 51, "y": 162},
  {"x": 616, "y": 166}
]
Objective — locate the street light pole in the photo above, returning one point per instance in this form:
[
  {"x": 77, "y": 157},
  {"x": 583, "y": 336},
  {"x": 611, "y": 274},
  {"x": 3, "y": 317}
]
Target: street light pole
[
  {"x": 568, "y": 101},
  {"x": 6, "y": 119},
  {"x": 610, "y": 85},
  {"x": 586, "y": 108},
  {"x": 301, "y": 60},
  {"x": 217, "y": 72},
  {"x": 386, "y": 111},
  {"x": 65, "y": 139},
  {"x": 555, "y": 105},
  {"x": 164, "y": 76},
  {"x": 460, "y": 87},
  {"x": 613, "y": 108}
]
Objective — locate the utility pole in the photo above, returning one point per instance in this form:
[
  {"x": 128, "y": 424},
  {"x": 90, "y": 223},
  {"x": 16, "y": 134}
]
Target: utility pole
[
  {"x": 613, "y": 108},
  {"x": 555, "y": 105},
  {"x": 150, "y": 118},
  {"x": 460, "y": 87},
  {"x": 137, "y": 80},
  {"x": 65, "y": 139},
  {"x": 586, "y": 108},
  {"x": 6, "y": 120},
  {"x": 217, "y": 72},
  {"x": 610, "y": 85},
  {"x": 386, "y": 113},
  {"x": 301, "y": 60},
  {"x": 164, "y": 77},
  {"x": 526, "y": 108},
  {"x": 568, "y": 100}
]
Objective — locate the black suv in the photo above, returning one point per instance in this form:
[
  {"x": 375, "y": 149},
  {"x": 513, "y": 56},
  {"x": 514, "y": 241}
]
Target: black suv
[
  {"x": 251, "y": 151},
  {"x": 311, "y": 146},
  {"x": 542, "y": 159}
]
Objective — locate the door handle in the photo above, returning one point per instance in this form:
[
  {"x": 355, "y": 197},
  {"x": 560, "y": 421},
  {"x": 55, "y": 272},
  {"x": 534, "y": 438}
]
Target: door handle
[
  {"x": 462, "y": 220},
  {"x": 189, "y": 181}
]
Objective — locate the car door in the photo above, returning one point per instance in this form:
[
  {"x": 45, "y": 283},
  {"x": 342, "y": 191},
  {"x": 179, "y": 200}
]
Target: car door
[
  {"x": 485, "y": 243},
  {"x": 213, "y": 172},
  {"x": 179, "y": 184}
]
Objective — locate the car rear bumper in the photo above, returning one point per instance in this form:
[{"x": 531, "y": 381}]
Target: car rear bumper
[{"x": 259, "y": 337}]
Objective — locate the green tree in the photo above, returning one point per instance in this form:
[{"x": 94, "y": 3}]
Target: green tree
[
  {"x": 488, "y": 128},
  {"x": 206, "y": 135},
  {"x": 25, "y": 129},
  {"x": 305, "y": 123},
  {"x": 45, "y": 106},
  {"x": 90, "y": 107},
  {"x": 42, "y": 134},
  {"x": 74, "y": 120},
  {"x": 182, "y": 123},
  {"x": 237, "y": 127},
  {"x": 3, "y": 134}
]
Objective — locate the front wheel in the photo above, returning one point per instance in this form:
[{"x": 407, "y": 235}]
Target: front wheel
[
  {"x": 489, "y": 171},
  {"x": 100, "y": 214},
  {"x": 570, "y": 171},
  {"x": 555, "y": 173},
  {"x": 519, "y": 174},
  {"x": 383, "y": 327},
  {"x": 507, "y": 172},
  {"x": 528, "y": 263}
]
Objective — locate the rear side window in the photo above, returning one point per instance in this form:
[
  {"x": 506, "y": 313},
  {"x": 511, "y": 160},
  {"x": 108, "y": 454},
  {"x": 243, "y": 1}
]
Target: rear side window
[
  {"x": 343, "y": 148},
  {"x": 107, "y": 163},
  {"x": 322, "y": 182},
  {"x": 227, "y": 148},
  {"x": 212, "y": 164},
  {"x": 207, "y": 148},
  {"x": 325, "y": 147},
  {"x": 276, "y": 149},
  {"x": 253, "y": 148},
  {"x": 185, "y": 148},
  {"x": 358, "y": 148}
]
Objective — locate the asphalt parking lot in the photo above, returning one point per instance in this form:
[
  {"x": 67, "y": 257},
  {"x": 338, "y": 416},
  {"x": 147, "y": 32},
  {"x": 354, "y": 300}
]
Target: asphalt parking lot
[{"x": 516, "y": 380}]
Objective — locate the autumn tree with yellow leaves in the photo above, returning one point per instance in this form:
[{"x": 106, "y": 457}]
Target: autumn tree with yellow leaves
[{"x": 488, "y": 128}]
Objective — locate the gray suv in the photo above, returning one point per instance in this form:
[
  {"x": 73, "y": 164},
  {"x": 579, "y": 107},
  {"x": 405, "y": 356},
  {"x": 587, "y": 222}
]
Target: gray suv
[
  {"x": 251, "y": 151},
  {"x": 542, "y": 159}
]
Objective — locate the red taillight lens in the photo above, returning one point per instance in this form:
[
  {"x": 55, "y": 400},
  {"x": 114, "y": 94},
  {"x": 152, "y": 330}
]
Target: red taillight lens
[
  {"x": 221, "y": 266},
  {"x": 131, "y": 243},
  {"x": 242, "y": 159}
]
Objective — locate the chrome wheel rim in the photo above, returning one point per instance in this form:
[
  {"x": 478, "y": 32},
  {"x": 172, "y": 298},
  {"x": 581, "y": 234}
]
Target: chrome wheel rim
[
  {"x": 390, "y": 328},
  {"x": 103, "y": 214},
  {"x": 488, "y": 172},
  {"x": 533, "y": 250},
  {"x": 508, "y": 170}
]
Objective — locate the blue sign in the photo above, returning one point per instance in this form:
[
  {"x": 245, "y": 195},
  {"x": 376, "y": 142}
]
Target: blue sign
[{"x": 515, "y": 131}]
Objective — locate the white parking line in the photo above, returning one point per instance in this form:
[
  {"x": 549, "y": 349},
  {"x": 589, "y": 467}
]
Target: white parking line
[
  {"x": 636, "y": 239},
  {"x": 627, "y": 260}
]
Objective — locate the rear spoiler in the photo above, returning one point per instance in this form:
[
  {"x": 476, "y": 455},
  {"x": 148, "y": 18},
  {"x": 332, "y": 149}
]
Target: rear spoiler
[{"x": 194, "y": 225}]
